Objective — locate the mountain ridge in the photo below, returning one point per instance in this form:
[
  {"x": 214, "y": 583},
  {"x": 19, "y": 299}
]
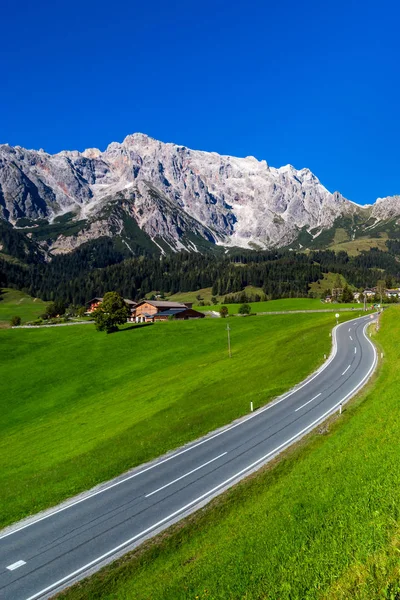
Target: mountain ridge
[{"x": 171, "y": 193}]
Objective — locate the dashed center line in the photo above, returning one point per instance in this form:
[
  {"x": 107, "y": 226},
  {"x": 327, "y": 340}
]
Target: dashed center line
[
  {"x": 355, "y": 350},
  {"x": 303, "y": 405},
  {"x": 350, "y": 337},
  {"x": 16, "y": 565},
  {"x": 185, "y": 475},
  {"x": 345, "y": 371}
]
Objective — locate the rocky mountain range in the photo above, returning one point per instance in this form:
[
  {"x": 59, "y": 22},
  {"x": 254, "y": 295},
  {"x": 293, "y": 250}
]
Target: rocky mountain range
[{"x": 143, "y": 191}]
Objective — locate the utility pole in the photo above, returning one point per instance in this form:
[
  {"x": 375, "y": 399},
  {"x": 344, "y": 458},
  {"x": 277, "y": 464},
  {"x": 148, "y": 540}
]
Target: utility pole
[{"x": 229, "y": 340}]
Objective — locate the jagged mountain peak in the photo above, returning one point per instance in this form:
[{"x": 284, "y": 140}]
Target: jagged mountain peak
[{"x": 170, "y": 191}]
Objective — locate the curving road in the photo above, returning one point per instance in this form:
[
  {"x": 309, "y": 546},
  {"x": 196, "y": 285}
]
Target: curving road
[{"x": 47, "y": 553}]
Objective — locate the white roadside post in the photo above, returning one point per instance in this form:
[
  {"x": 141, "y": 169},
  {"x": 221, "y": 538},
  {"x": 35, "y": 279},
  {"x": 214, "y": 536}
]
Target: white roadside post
[
  {"x": 251, "y": 406},
  {"x": 340, "y": 408},
  {"x": 337, "y": 318}
]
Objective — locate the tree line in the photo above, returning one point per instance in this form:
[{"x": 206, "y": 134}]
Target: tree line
[{"x": 100, "y": 266}]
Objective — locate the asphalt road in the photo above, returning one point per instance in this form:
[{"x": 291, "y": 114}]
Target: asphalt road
[{"x": 47, "y": 553}]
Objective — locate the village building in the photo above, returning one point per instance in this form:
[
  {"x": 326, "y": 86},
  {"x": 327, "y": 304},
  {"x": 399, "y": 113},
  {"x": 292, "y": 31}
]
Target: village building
[
  {"x": 95, "y": 303},
  {"x": 395, "y": 293},
  {"x": 151, "y": 311}
]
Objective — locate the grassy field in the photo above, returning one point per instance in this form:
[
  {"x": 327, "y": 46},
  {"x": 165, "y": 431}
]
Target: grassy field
[
  {"x": 16, "y": 303},
  {"x": 323, "y": 523},
  {"x": 282, "y": 304},
  {"x": 79, "y": 406}
]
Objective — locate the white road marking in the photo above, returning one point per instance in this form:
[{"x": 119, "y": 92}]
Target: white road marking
[
  {"x": 153, "y": 466},
  {"x": 350, "y": 337},
  {"x": 16, "y": 565},
  {"x": 349, "y": 328},
  {"x": 345, "y": 371},
  {"x": 355, "y": 350},
  {"x": 224, "y": 483},
  {"x": 186, "y": 475},
  {"x": 303, "y": 405}
]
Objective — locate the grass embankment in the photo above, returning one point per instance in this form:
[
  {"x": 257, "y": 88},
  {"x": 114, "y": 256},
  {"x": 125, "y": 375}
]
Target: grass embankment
[
  {"x": 15, "y": 303},
  {"x": 283, "y": 304},
  {"x": 79, "y": 406},
  {"x": 323, "y": 523}
]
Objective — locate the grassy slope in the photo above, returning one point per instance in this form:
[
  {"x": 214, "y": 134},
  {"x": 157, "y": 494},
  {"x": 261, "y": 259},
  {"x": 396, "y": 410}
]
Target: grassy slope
[
  {"x": 14, "y": 302},
  {"x": 206, "y": 294},
  {"x": 90, "y": 406},
  {"x": 355, "y": 247},
  {"x": 283, "y": 304},
  {"x": 324, "y": 523},
  {"x": 326, "y": 283}
]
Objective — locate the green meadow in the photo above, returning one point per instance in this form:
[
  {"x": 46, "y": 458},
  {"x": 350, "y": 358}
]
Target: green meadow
[
  {"x": 79, "y": 406},
  {"x": 283, "y": 304},
  {"x": 323, "y": 522},
  {"x": 15, "y": 303}
]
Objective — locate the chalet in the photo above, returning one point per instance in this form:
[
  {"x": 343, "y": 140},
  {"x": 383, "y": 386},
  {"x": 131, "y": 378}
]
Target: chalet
[
  {"x": 151, "y": 311},
  {"x": 95, "y": 303}
]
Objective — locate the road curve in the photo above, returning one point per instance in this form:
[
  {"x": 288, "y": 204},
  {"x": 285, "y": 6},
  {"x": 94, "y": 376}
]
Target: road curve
[{"x": 45, "y": 554}]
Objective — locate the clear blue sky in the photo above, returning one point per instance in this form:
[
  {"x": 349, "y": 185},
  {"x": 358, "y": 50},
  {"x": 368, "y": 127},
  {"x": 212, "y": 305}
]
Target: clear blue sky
[{"x": 311, "y": 83}]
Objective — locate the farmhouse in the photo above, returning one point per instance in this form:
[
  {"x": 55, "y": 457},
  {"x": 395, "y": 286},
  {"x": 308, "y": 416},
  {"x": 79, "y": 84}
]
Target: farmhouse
[
  {"x": 150, "y": 311},
  {"x": 95, "y": 303}
]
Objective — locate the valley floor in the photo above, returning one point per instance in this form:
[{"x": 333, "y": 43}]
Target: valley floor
[
  {"x": 80, "y": 407},
  {"x": 324, "y": 522}
]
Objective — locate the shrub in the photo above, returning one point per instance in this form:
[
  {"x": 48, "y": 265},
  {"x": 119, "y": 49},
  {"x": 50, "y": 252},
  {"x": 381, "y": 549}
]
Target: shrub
[{"x": 245, "y": 309}]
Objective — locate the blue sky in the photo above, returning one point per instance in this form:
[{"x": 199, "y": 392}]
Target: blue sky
[{"x": 314, "y": 84}]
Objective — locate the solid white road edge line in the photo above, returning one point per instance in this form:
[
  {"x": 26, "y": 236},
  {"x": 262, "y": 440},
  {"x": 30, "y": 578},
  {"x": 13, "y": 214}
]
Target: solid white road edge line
[
  {"x": 16, "y": 565},
  {"x": 175, "y": 455},
  {"x": 345, "y": 371},
  {"x": 185, "y": 475},
  {"x": 303, "y": 405},
  {"x": 224, "y": 483}
]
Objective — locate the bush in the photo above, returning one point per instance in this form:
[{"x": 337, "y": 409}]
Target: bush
[
  {"x": 15, "y": 321},
  {"x": 223, "y": 311},
  {"x": 245, "y": 309}
]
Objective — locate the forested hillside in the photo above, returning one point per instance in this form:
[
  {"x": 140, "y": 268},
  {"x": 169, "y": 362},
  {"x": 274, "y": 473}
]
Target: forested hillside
[{"x": 97, "y": 267}]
